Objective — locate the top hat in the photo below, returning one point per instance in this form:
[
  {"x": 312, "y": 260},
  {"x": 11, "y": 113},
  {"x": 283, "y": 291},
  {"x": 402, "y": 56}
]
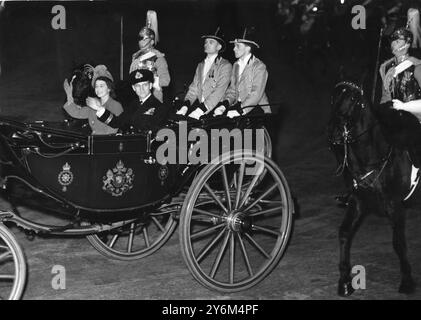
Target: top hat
[
  {"x": 141, "y": 75},
  {"x": 218, "y": 36},
  {"x": 247, "y": 37}
]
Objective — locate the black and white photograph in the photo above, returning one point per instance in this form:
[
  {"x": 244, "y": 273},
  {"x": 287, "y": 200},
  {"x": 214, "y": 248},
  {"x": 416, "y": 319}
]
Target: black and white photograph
[{"x": 212, "y": 155}]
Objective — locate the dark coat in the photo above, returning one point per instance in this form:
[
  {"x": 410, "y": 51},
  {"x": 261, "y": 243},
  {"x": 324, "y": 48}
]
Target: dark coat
[{"x": 150, "y": 115}]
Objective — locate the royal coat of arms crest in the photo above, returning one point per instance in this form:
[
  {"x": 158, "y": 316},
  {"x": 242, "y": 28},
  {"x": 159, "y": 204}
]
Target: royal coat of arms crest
[{"x": 118, "y": 180}]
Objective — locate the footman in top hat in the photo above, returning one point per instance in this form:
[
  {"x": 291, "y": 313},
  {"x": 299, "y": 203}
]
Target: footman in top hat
[
  {"x": 248, "y": 79},
  {"x": 211, "y": 79},
  {"x": 145, "y": 113}
]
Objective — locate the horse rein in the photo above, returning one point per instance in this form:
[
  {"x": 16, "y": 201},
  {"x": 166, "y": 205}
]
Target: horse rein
[{"x": 347, "y": 140}]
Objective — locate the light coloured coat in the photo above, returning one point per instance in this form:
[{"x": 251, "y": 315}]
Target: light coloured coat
[
  {"x": 250, "y": 87},
  {"x": 213, "y": 88}
]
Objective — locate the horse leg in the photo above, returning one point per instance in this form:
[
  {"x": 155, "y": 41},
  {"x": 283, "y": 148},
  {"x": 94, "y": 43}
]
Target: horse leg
[
  {"x": 398, "y": 217},
  {"x": 353, "y": 218}
]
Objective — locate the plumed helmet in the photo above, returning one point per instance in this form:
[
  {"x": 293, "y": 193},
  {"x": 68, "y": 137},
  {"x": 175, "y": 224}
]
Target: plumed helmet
[
  {"x": 402, "y": 34},
  {"x": 150, "y": 30}
]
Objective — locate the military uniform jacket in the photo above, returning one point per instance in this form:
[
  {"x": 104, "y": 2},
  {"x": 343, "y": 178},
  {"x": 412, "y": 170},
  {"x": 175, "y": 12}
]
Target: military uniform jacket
[
  {"x": 155, "y": 63},
  {"x": 147, "y": 116},
  {"x": 401, "y": 81},
  {"x": 213, "y": 88},
  {"x": 250, "y": 87}
]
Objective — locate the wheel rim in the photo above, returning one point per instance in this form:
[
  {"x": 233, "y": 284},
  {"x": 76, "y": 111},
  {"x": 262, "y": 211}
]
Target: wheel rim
[
  {"x": 233, "y": 243},
  {"x": 137, "y": 239},
  {"x": 12, "y": 266}
]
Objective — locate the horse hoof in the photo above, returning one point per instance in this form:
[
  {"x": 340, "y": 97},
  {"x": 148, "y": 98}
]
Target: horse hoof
[
  {"x": 345, "y": 289},
  {"x": 407, "y": 287}
]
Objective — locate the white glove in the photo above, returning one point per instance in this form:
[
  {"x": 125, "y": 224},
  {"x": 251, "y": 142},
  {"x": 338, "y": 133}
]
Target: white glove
[
  {"x": 183, "y": 110},
  {"x": 93, "y": 103},
  {"x": 218, "y": 111},
  {"x": 233, "y": 114},
  {"x": 196, "y": 114}
]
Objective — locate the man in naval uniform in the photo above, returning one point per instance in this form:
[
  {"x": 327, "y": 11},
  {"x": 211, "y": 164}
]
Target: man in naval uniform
[{"x": 144, "y": 113}]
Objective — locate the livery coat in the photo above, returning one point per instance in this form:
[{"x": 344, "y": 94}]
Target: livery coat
[
  {"x": 250, "y": 87},
  {"x": 157, "y": 64},
  {"x": 213, "y": 88}
]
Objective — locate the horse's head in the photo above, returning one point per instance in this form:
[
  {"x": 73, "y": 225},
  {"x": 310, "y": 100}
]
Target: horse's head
[
  {"x": 82, "y": 83},
  {"x": 350, "y": 115}
]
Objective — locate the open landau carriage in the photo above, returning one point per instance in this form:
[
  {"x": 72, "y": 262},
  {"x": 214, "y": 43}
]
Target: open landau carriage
[{"x": 234, "y": 225}]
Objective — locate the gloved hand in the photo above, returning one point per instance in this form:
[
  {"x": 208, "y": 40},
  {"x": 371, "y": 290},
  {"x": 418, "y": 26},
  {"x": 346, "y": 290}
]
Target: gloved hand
[
  {"x": 237, "y": 107},
  {"x": 196, "y": 114},
  {"x": 233, "y": 113},
  {"x": 183, "y": 110},
  {"x": 220, "y": 108}
]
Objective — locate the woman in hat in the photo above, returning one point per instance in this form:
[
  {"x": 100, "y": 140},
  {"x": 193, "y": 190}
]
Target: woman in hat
[
  {"x": 144, "y": 113},
  {"x": 248, "y": 80},
  {"x": 150, "y": 58},
  {"x": 102, "y": 82},
  {"x": 210, "y": 81}
]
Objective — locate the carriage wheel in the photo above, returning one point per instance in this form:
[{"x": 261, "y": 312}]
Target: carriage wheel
[
  {"x": 12, "y": 266},
  {"x": 234, "y": 242},
  {"x": 137, "y": 239}
]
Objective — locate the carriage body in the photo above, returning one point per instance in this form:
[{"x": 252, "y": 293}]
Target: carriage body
[{"x": 127, "y": 202}]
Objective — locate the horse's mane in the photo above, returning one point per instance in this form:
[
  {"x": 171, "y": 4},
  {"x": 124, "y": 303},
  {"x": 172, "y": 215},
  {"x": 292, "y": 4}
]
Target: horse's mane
[{"x": 399, "y": 127}]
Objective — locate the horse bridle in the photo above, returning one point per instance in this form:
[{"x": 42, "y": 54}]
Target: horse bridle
[{"x": 347, "y": 140}]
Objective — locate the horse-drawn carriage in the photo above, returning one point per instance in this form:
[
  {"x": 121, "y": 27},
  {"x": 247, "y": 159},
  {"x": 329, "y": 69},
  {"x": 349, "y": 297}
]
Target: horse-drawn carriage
[{"x": 235, "y": 210}]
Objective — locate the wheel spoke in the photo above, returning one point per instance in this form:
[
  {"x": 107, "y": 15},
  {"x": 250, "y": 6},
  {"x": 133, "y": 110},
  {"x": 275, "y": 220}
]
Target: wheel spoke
[
  {"x": 155, "y": 220},
  {"x": 245, "y": 255},
  {"x": 257, "y": 246},
  {"x": 207, "y": 213},
  {"x": 267, "y": 230},
  {"x": 206, "y": 231},
  {"x": 232, "y": 256},
  {"x": 271, "y": 210},
  {"x": 5, "y": 255},
  {"x": 4, "y": 247},
  {"x": 220, "y": 255},
  {"x": 146, "y": 236},
  {"x": 268, "y": 191},
  {"x": 240, "y": 183},
  {"x": 248, "y": 191},
  {"x": 211, "y": 244},
  {"x": 131, "y": 235},
  {"x": 10, "y": 277},
  {"x": 113, "y": 240},
  {"x": 214, "y": 196},
  {"x": 226, "y": 187}
]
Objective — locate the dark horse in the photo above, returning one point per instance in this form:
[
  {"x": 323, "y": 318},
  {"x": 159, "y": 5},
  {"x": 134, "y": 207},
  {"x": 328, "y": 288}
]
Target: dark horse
[{"x": 373, "y": 158}]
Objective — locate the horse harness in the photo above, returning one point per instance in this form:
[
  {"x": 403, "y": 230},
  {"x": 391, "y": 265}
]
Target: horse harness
[{"x": 370, "y": 177}]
